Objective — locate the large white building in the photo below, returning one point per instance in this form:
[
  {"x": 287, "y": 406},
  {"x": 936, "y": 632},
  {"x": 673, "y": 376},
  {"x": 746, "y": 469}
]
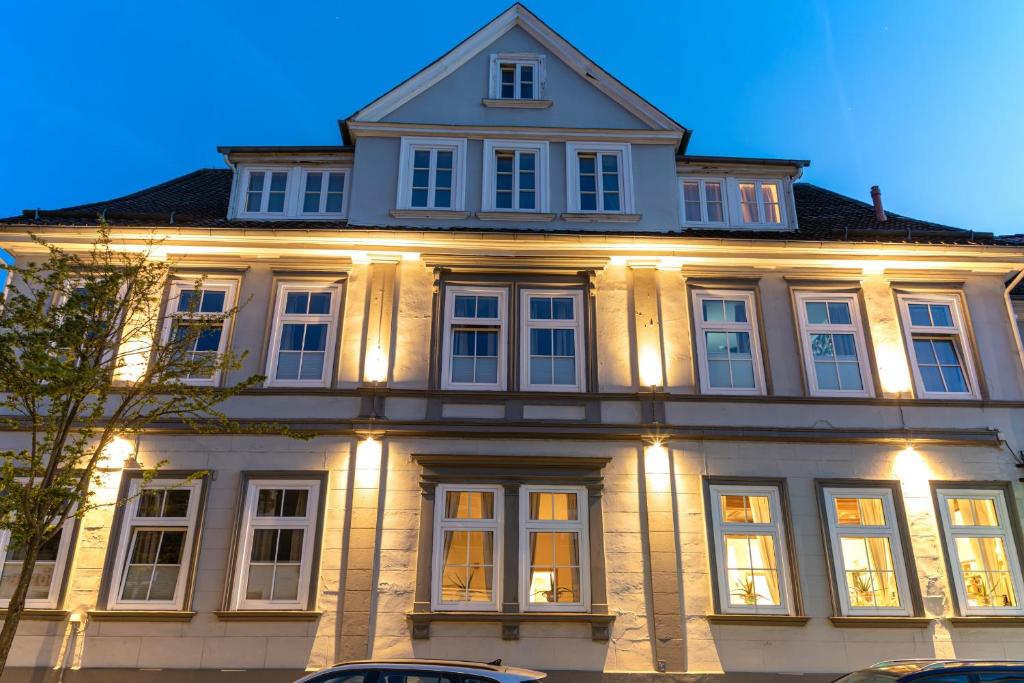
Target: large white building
[{"x": 584, "y": 402}]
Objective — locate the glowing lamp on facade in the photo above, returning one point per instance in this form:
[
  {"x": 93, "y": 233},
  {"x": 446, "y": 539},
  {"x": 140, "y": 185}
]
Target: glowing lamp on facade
[
  {"x": 892, "y": 369},
  {"x": 368, "y": 460},
  {"x": 656, "y": 458},
  {"x": 115, "y": 454},
  {"x": 376, "y": 365},
  {"x": 650, "y": 368}
]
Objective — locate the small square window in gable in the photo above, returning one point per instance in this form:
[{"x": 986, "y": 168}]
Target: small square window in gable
[{"x": 517, "y": 76}]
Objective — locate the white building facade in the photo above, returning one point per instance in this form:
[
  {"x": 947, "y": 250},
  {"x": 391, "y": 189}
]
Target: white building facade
[{"x": 583, "y": 402}]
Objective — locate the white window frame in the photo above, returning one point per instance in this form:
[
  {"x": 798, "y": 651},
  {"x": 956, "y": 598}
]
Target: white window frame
[
  {"x": 406, "y": 157},
  {"x": 780, "y": 188},
  {"x": 889, "y": 531},
  {"x": 540, "y": 148},
  {"x": 856, "y": 328},
  {"x": 775, "y": 529},
  {"x": 295, "y": 189},
  {"x": 250, "y": 522},
  {"x": 322, "y": 212},
  {"x": 538, "y": 62},
  {"x": 580, "y": 526},
  {"x": 702, "y": 183},
  {"x": 1004, "y": 531},
  {"x": 230, "y": 289},
  {"x": 441, "y": 525},
  {"x": 451, "y": 321},
  {"x": 281, "y": 318},
  {"x": 132, "y": 520},
  {"x": 751, "y": 327},
  {"x": 572, "y": 177},
  {"x": 957, "y": 334},
  {"x": 59, "y": 566},
  {"x": 526, "y": 324}
]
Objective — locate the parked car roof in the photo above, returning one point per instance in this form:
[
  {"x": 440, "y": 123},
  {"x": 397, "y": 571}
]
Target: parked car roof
[{"x": 495, "y": 670}]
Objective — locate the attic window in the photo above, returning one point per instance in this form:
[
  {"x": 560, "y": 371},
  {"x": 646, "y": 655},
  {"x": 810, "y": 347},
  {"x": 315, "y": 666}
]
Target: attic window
[{"x": 516, "y": 77}]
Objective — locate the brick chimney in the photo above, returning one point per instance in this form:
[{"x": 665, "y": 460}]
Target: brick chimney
[{"x": 876, "y": 199}]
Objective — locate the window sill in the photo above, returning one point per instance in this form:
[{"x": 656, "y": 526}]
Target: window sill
[
  {"x": 516, "y": 104},
  {"x": 521, "y": 216},
  {"x": 758, "y": 619},
  {"x": 428, "y": 213},
  {"x": 600, "y": 624},
  {"x": 967, "y": 622},
  {"x": 139, "y": 615},
  {"x": 598, "y": 217},
  {"x": 881, "y": 622},
  {"x": 38, "y": 614},
  {"x": 267, "y": 615}
]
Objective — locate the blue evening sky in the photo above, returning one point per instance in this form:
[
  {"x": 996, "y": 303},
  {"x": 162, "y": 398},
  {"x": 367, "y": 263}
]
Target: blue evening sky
[{"x": 924, "y": 98}]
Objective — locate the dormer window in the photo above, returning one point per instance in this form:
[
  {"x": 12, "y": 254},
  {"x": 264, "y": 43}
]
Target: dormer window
[
  {"x": 760, "y": 202},
  {"x": 291, "y": 192},
  {"x": 703, "y": 200},
  {"x": 517, "y": 76}
]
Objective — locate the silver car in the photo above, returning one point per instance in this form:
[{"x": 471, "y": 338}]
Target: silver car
[{"x": 422, "y": 671}]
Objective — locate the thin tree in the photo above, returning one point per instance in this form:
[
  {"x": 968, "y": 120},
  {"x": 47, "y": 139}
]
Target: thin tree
[{"x": 89, "y": 353}]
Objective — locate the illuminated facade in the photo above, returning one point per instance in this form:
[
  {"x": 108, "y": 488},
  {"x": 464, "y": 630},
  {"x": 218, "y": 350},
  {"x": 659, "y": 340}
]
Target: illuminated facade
[{"x": 584, "y": 403}]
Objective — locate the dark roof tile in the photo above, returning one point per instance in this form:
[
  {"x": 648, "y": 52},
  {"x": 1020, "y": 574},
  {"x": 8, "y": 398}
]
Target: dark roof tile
[{"x": 200, "y": 199}]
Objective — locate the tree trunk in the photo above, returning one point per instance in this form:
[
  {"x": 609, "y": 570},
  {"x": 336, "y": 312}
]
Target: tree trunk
[{"x": 17, "y": 604}]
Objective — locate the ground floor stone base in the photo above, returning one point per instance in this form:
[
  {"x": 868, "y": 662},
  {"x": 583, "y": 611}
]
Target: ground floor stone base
[{"x": 25, "y": 675}]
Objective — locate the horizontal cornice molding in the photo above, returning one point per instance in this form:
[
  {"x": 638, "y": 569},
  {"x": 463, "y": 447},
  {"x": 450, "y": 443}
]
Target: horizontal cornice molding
[{"x": 554, "y": 134}]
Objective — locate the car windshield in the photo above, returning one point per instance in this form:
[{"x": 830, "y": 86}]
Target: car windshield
[{"x": 885, "y": 674}]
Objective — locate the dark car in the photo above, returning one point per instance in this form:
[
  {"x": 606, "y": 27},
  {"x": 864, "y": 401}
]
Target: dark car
[{"x": 938, "y": 671}]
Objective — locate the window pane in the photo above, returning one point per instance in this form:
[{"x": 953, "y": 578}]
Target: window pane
[
  {"x": 540, "y": 342},
  {"x": 561, "y": 308},
  {"x": 870, "y": 574},
  {"x": 827, "y": 376},
  {"x": 151, "y": 503},
  {"x": 319, "y": 303},
  {"x": 817, "y": 312},
  {"x": 213, "y": 301},
  {"x": 748, "y": 203},
  {"x": 740, "y": 509},
  {"x": 469, "y": 505},
  {"x": 986, "y": 572},
  {"x": 468, "y": 572},
  {"x": 822, "y": 347},
  {"x": 296, "y": 303},
  {"x": 540, "y": 308},
  {"x": 941, "y": 315},
  {"x": 553, "y": 505},
  {"x": 286, "y": 582},
  {"x": 554, "y": 567},
  {"x": 176, "y": 502},
  {"x": 735, "y": 311},
  {"x": 839, "y": 313},
  {"x": 714, "y": 310},
  {"x": 919, "y": 315},
  {"x": 850, "y": 378},
  {"x": 924, "y": 352},
  {"x": 972, "y": 512},
  {"x": 751, "y": 569}
]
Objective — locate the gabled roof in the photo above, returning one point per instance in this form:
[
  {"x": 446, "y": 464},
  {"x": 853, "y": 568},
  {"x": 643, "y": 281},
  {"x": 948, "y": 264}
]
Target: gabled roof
[
  {"x": 518, "y": 15},
  {"x": 200, "y": 199}
]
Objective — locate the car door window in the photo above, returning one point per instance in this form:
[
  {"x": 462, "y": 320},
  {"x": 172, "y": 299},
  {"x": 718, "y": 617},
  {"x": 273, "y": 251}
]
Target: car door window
[
  {"x": 475, "y": 679},
  {"x": 416, "y": 677},
  {"x": 344, "y": 677},
  {"x": 1001, "y": 677},
  {"x": 939, "y": 677}
]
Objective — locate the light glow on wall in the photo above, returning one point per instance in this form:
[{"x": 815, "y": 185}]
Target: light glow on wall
[
  {"x": 376, "y": 369},
  {"x": 368, "y": 458},
  {"x": 656, "y": 459},
  {"x": 892, "y": 368},
  {"x": 134, "y": 358},
  {"x": 115, "y": 454},
  {"x": 913, "y": 471},
  {"x": 650, "y": 368}
]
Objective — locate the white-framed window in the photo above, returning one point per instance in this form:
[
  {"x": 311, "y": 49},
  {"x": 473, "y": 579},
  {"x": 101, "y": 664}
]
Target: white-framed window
[
  {"x": 475, "y": 338},
  {"x": 867, "y": 552},
  {"x": 552, "y": 356},
  {"x": 760, "y": 202},
  {"x": 832, "y": 338},
  {"x": 201, "y": 324},
  {"x": 154, "y": 549},
  {"x": 599, "y": 177},
  {"x": 515, "y": 176},
  {"x": 982, "y": 550},
  {"x": 304, "y": 334},
  {"x": 323, "y": 191},
  {"x": 517, "y": 76},
  {"x": 728, "y": 346},
  {"x": 277, "y": 540},
  {"x": 935, "y": 332},
  {"x": 281, "y": 192},
  {"x": 265, "y": 191},
  {"x": 703, "y": 200},
  {"x": 750, "y": 549},
  {"x": 467, "y": 559},
  {"x": 48, "y": 574},
  {"x": 432, "y": 174},
  {"x": 554, "y": 549}
]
